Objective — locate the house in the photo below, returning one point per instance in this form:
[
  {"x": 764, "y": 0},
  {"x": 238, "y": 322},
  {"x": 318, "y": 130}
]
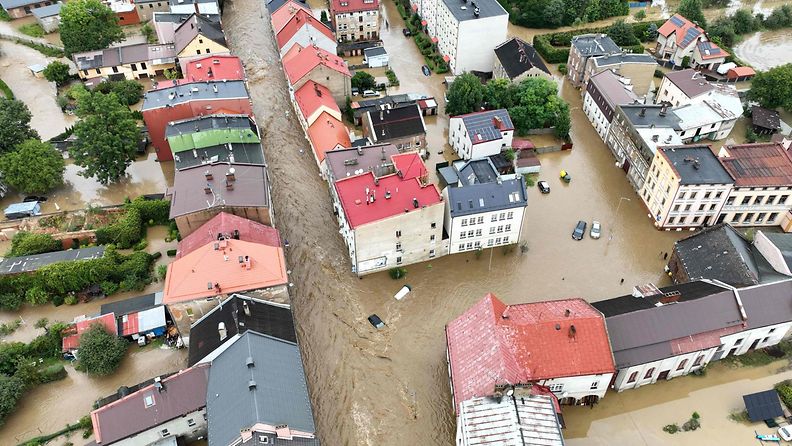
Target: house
[
  {"x": 769, "y": 318},
  {"x": 584, "y": 47},
  {"x": 311, "y": 100},
  {"x": 257, "y": 394},
  {"x": 390, "y": 219},
  {"x": 482, "y": 208},
  {"x": 662, "y": 333},
  {"x": 216, "y": 67},
  {"x": 639, "y": 68},
  {"x": 762, "y": 174},
  {"x": 682, "y": 87},
  {"x": 304, "y": 29},
  {"x": 765, "y": 121},
  {"x": 375, "y": 57},
  {"x": 312, "y": 63},
  {"x": 33, "y": 262},
  {"x": 280, "y": 16},
  {"x": 707, "y": 55},
  {"x": 170, "y": 407},
  {"x": 517, "y": 60},
  {"x": 178, "y": 102},
  {"x": 48, "y": 17},
  {"x": 135, "y": 61},
  {"x": 428, "y": 105},
  {"x": 713, "y": 118},
  {"x": 604, "y": 92},
  {"x": 125, "y": 11},
  {"x": 17, "y": 9},
  {"x": 562, "y": 345},
  {"x": 202, "y": 7},
  {"x": 344, "y": 163},
  {"x": 685, "y": 187},
  {"x": 232, "y": 318},
  {"x": 140, "y": 316},
  {"x": 480, "y": 134},
  {"x": 274, "y": 5},
  {"x": 402, "y": 126},
  {"x": 147, "y": 8},
  {"x": 355, "y": 20},
  {"x": 81, "y": 324},
  {"x": 325, "y": 134},
  {"x": 677, "y": 38},
  {"x": 776, "y": 249},
  {"x": 526, "y": 417},
  {"x": 214, "y": 138},
  {"x": 739, "y": 74},
  {"x": 634, "y": 135},
  {"x": 198, "y": 36}
]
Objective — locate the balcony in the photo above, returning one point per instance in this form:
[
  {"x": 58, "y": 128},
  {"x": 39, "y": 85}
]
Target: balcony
[{"x": 756, "y": 208}]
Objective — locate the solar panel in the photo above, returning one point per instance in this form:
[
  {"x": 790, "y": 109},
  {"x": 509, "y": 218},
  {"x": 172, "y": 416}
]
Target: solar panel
[{"x": 677, "y": 21}]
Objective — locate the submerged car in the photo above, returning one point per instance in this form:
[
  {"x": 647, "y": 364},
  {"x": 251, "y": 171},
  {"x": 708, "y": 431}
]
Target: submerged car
[
  {"x": 426, "y": 70},
  {"x": 406, "y": 32},
  {"x": 596, "y": 229},
  {"x": 579, "y": 231},
  {"x": 543, "y": 186}
]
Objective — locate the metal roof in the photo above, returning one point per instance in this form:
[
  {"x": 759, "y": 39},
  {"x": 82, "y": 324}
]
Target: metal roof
[
  {"x": 758, "y": 165},
  {"x": 696, "y": 164},
  {"x": 510, "y": 421},
  {"x": 467, "y": 11},
  {"x": 624, "y": 58},
  {"x": 768, "y": 304},
  {"x": 25, "y": 264},
  {"x": 207, "y": 131},
  {"x": 481, "y": 125},
  {"x": 487, "y": 197},
  {"x": 220, "y": 153},
  {"x": 188, "y": 194},
  {"x": 375, "y": 51},
  {"x": 594, "y": 45},
  {"x": 133, "y": 304},
  {"x": 48, "y": 11},
  {"x": 196, "y": 91},
  {"x": 763, "y": 405}
]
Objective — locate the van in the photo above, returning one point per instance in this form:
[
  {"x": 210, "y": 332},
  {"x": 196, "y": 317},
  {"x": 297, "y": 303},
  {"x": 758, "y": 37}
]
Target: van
[{"x": 370, "y": 94}]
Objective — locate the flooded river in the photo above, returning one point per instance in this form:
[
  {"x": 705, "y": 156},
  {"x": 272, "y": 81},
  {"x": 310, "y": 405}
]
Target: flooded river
[{"x": 766, "y": 49}]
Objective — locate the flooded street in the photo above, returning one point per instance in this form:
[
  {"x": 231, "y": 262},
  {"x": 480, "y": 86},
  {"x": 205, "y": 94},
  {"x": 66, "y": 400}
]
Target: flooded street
[{"x": 766, "y": 49}]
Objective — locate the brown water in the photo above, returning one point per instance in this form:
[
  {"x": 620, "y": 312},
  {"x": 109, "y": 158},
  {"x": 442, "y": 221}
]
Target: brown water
[{"x": 766, "y": 49}]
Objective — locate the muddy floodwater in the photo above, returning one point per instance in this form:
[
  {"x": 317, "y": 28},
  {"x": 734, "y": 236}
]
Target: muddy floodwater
[{"x": 766, "y": 49}]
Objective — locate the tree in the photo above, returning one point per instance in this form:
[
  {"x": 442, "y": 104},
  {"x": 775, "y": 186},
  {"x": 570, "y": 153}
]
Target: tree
[
  {"x": 100, "y": 351},
  {"x": 14, "y": 124},
  {"x": 691, "y": 10},
  {"x": 773, "y": 88},
  {"x": 553, "y": 13},
  {"x": 107, "y": 137},
  {"x": 129, "y": 92},
  {"x": 323, "y": 17},
  {"x": 87, "y": 25},
  {"x": 465, "y": 95},
  {"x": 57, "y": 72},
  {"x": 35, "y": 167},
  {"x": 149, "y": 33},
  {"x": 722, "y": 32},
  {"x": 640, "y": 15},
  {"x": 27, "y": 243},
  {"x": 743, "y": 21},
  {"x": 363, "y": 81},
  {"x": 622, "y": 34},
  {"x": 11, "y": 390},
  {"x": 500, "y": 93}
]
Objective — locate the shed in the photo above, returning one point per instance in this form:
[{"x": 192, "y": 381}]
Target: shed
[
  {"x": 48, "y": 17},
  {"x": 765, "y": 121},
  {"x": 763, "y": 405},
  {"x": 375, "y": 57},
  {"x": 737, "y": 74},
  {"x": 21, "y": 210}
]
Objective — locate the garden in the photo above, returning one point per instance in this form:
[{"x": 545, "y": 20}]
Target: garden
[
  {"x": 554, "y": 47},
  {"x": 434, "y": 60}
]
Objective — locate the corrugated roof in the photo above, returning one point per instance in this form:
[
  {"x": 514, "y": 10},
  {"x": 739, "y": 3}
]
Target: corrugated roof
[
  {"x": 133, "y": 304},
  {"x": 759, "y": 164},
  {"x": 141, "y": 321},
  {"x": 48, "y": 11},
  {"x": 222, "y": 153},
  {"x": 212, "y": 130},
  {"x": 511, "y": 421}
]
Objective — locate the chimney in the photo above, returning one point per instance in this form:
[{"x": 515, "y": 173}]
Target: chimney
[
  {"x": 207, "y": 189},
  {"x": 387, "y": 195},
  {"x": 158, "y": 384},
  {"x": 230, "y": 177},
  {"x": 497, "y": 122},
  {"x": 415, "y": 203},
  {"x": 572, "y": 331},
  {"x": 208, "y": 175},
  {"x": 214, "y": 88},
  {"x": 221, "y": 330},
  {"x": 229, "y": 185},
  {"x": 671, "y": 296},
  {"x": 663, "y": 109},
  {"x": 643, "y": 112},
  {"x": 248, "y": 262}
]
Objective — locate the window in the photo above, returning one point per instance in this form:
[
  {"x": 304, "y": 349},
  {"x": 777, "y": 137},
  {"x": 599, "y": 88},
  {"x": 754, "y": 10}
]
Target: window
[
  {"x": 676, "y": 208},
  {"x": 556, "y": 387},
  {"x": 492, "y": 230},
  {"x": 115, "y": 69},
  {"x": 489, "y": 242},
  {"x": 698, "y": 360},
  {"x": 142, "y": 65},
  {"x": 190, "y": 422},
  {"x": 478, "y": 232},
  {"x": 737, "y": 217},
  {"x": 197, "y": 51},
  {"x": 671, "y": 220},
  {"x": 398, "y": 260},
  {"x": 398, "y": 233},
  {"x": 696, "y": 220},
  {"x": 502, "y": 216},
  {"x": 509, "y": 215},
  {"x": 682, "y": 364},
  {"x": 164, "y": 433},
  {"x": 760, "y": 217},
  {"x": 748, "y": 217},
  {"x": 507, "y": 228},
  {"x": 464, "y": 222},
  {"x": 649, "y": 373},
  {"x": 707, "y": 195},
  {"x": 693, "y": 195},
  {"x": 134, "y": 67},
  {"x": 469, "y": 246},
  {"x": 461, "y": 247},
  {"x": 398, "y": 246},
  {"x": 432, "y": 238},
  {"x": 701, "y": 207},
  {"x": 594, "y": 385},
  {"x": 480, "y": 220},
  {"x": 200, "y": 40},
  {"x": 477, "y": 245},
  {"x": 739, "y": 341},
  {"x": 771, "y": 330},
  {"x": 718, "y": 195},
  {"x": 687, "y": 208},
  {"x": 746, "y": 200},
  {"x": 770, "y": 199},
  {"x": 730, "y": 201},
  {"x": 463, "y": 234},
  {"x": 207, "y": 51},
  {"x": 500, "y": 228},
  {"x": 470, "y": 233},
  {"x": 765, "y": 340},
  {"x": 771, "y": 218},
  {"x": 434, "y": 225},
  {"x": 783, "y": 199},
  {"x": 494, "y": 218},
  {"x": 497, "y": 241},
  {"x": 148, "y": 400},
  {"x": 431, "y": 253},
  {"x": 633, "y": 377}
]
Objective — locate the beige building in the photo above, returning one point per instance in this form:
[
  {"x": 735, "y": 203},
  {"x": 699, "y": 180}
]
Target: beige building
[
  {"x": 639, "y": 68},
  {"x": 517, "y": 60},
  {"x": 198, "y": 37},
  {"x": 355, "y": 20},
  {"x": 315, "y": 64},
  {"x": 583, "y": 48},
  {"x": 126, "y": 62}
]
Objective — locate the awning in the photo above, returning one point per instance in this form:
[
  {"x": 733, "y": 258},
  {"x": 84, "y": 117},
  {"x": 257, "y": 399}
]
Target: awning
[
  {"x": 446, "y": 58},
  {"x": 423, "y": 22},
  {"x": 435, "y": 39}
]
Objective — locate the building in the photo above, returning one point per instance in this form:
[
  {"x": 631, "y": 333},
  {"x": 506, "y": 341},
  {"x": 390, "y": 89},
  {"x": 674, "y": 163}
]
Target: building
[
  {"x": 257, "y": 394},
  {"x": 201, "y": 192},
  {"x": 707, "y": 55},
  {"x": 776, "y": 249},
  {"x": 427, "y": 105},
  {"x": 562, "y": 345},
  {"x": 214, "y": 139},
  {"x": 344, "y": 163},
  {"x": 639, "y": 68},
  {"x": 480, "y": 134},
  {"x": 769, "y": 318},
  {"x": 402, "y": 126},
  {"x": 305, "y": 30},
  {"x": 762, "y": 176},
  {"x": 17, "y": 9},
  {"x": 677, "y": 38},
  {"x": 686, "y": 187},
  {"x": 33, "y": 262},
  {"x": 584, "y": 47},
  {"x": 184, "y": 101},
  {"x": 355, "y": 20},
  {"x": 170, "y": 407},
  {"x": 482, "y": 208},
  {"x": 202, "y": 7},
  {"x": 214, "y": 68},
  {"x": 738, "y": 74},
  {"x": 325, "y": 134},
  {"x": 280, "y": 16},
  {"x": 517, "y": 60},
  {"x": 147, "y": 8},
  {"x": 765, "y": 121},
  {"x": 135, "y": 61},
  {"x": 198, "y": 36},
  {"x": 274, "y": 5},
  {"x": 81, "y": 324},
  {"x": 392, "y": 219},
  {"x": 315, "y": 64},
  {"x": 311, "y": 100},
  {"x": 48, "y": 17},
  {"x": 375, "y": 57},
  {"x": 124, "y": 10},
  {"x": 140, "y": 316},
  {"x": 604, "y": 92},
  {"x": 467, "y": 35},
  {"x": 682, "y": 87}
]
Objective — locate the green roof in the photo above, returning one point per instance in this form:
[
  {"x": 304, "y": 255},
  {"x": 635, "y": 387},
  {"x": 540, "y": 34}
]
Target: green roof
[{"x": 209, "y": 138}]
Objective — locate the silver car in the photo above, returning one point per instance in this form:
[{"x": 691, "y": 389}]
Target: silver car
[{"x": 596, "y": 229}]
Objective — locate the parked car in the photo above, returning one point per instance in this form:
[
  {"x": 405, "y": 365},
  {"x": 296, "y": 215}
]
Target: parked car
[
  {"x": 543, "y": 186},
  {"x": 355, "y": 91},
  {"x": 596, "y": 229},
  {"x": 580, "y": 230},
  {"x": 34, "y": 198},
  {"x": 370, "y": 94},
  {"x": 406, "y": 32},
  {"x": 426, "y": 70}
]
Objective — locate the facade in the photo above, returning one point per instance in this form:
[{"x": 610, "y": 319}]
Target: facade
[
  {"x": 467, "y": 35},
  {"x": 390, "y": 219},
  {"x": 375, "y": 57},
  {"x": 584, "y": 47},
  {"x": 402, "y": 126},
  {"x": 305, "y": 30},
  {"x": 517, "y": 60},
  {"x": 686, "y": 187},
  {"x": 482, "y": 208},
  {"x": 126, "y": 62},
  {"x": 677, "y": 38},
  {"x": 315, "y": 64},
  {"x": 682, "y": 87},
  {"x": 639, "y": 68},
  {"x": 604, "y": 92},
  {"x": 17, "y": 9},
  {"x": 355, "y": 20},
  {"x": 480, "y": 134},
  {"x": 708, "y": 55},
  {"x": 147, "y": 8},
  {"x": 198, "y": 36},
  {"x": 48, "y": 17}
]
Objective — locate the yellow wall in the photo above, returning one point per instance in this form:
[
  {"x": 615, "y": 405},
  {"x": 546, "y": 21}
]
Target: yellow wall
[{"x": 202, "y": 43}]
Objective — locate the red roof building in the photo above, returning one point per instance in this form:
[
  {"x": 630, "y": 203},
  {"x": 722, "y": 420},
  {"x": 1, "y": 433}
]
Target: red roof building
[
  {"x": 282, "y": 16},
  {"x": 225, "y": 225},
  {"x": 314, "y": 63},
  {"x": 304, "y": 29},
  {"x": 313, "y": 99},
  {"x": 550, "y": 343},
  {"x": 71, "y": 338},
  {"x": 355, "y": 20},
  {"x": 758, "y": 165},
  {"x": 682, "y": 28},
  {"x": 741, "y": 73},
  {"x": 327, "y": 133},
  {"x": 215, "y": 68},
  {"x": 348, "y": 6}
]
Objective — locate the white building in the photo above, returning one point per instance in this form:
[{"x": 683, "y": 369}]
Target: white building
[
  {"x": 375, "y": 57},
  {"x": 480, "y": 134},
  {"x": 776, "y": 249},
  {"x": 677, "y": 38},
  {"x": 355, "y": 20},
  {"x": 604, "y": 92},
  {"x": 305, "y": 30}
]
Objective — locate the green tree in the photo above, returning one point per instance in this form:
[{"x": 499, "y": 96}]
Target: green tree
[
  {"x": 129, "y": 92},
  {"x": 691, "y": 10},
  {"x": 14, "y": 124},
  {"x": 744, "y": 22},
  {"x": 553, "y": 13},
  {"x": 722, "y": 32},
  {"x": 500, "y": 93},
  {"x": 773, "y": 88},
  {"x": 149, "y": 33},
  {"x": 363, "y": 81},
  {"x": 35, "y": 167},
  {"x": 107, "y": 137},
  {"x": 27, "y": 243},
  {"x": 323, "y": 17},
  {"x": 465, "y": 95},
  {"x": 640, "y": 15},
  {"x": 11, "y": 390},
  {"x": 87, "y": 25},
  {"x": 57, "y": 72},
  {"x": 100, "y": 351},
  {"x": 622, "y": 34}
]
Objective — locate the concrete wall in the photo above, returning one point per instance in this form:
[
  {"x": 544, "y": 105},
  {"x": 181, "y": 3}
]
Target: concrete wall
[
  {"x": 745, "y": 341},
  {"x": 49, "y": 24},
  {"x": 339, "y": 84},
  {"x": 595, "y": 116},
  {"x": 146, "y": 10},
  {"x": 669, "y": 92},
  {"x": 476, "y": 42},
  {"x": 130, "y": 71},
  {"x": 178, "y": 427},
  {"x": 649, "y": 373},
  {"x": 190, "y": 222},
  {"x": 460, "y": 141},
  {"x": 377, "y": 61}
]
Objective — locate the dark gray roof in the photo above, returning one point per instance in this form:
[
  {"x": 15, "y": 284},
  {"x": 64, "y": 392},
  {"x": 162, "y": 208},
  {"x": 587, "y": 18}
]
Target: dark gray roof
[
  {"x": 279, "y": 395},
  {"x": 653, "y": 115},
  {"x": 684, "y": 292},
  {"x": 395, "y": 123},
  {"x": 720, "y": 253},
  {"x": 481, "y": 125},
  {"x": 210, "y": 122},
  {"x": 517, "y": 56},
  {"x": 132, "y": 305},
  {"x": 763, "y": 405},
  {"x": 466, "y": 11},
  {"x": 768, "y": 304},
  {"x": 10, "y": 4},
  {"x": 374, "y": 105},
  {"x": 223, "y": 153},
  {"x": 195, "y": 24},
  {"x": 25, "y": 264},
  {"x": 48, "y": 11},
  {"x": 612, "y": 89},
  {"x": 487, "y": 197},
  {"x": 696, "y": 164},
  {"x": 783, "y": 242},
  {"x": 623, "y": 58},
  {"x": 274, "y": 5},
  {"x": 690, "y": 81},
  {"x": 595, "y": 45},
  {"x": 188, "y": 195},
  {"x": 765, "y": 118},
  {"x": 477, "y": 171},
  {"x": 343, "y": 163},
  {"x": 193, "y": 92},
  {"x": 375, "y": 51}
]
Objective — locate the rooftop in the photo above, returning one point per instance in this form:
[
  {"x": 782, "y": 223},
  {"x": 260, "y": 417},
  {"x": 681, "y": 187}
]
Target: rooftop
[
  {"x": 615, "y": 89},
  {"x": 344, "y": 163},
  {"x": 284, "y": 12},
  {"x": 312, "y": 96},
  {"x": 594, "y": 45},
  {"x": 72, "y": 335},
  {"x": 216, "y": 67},
  {"x": 719, "y": 253},
  {"x": 686, "y": 32},
  {"x": 709, "y": 50},
  {"x": 760, "y": 164},
  {"x": 10, "y": 4},
  {"x": 347, "y": 6},
  {"x": 198, "y": 24},
  {"x": 487, "y": 125},
  {"x": 783, "y": 242},
  {"x": 623, "y": 58},
  {"x": 696, "y": 164},
  {"x": 493, "y": 343},
  {"x": 189, "y": 188},
  {"x": 241, "y": 153},
  {"x": 395, "y": 123},
  {"x": 302, "y": 61},
  {"x": 691, "y": 82},
  {"x": 518, "y": 56},
  {"x": 767, "y": 304},
  {"x": 123, "y": 55},
  {"x": 26, "y": 264},
  {"x": 650, "y": 115},
  {"x": 658, "y": 136},
  {"x": 228, "y": 226},
  {"x": 210, "y": 130},
  {"x": 375, "y": 51},
  {"x": 765, "y": 118},
  {"x": 47, "y": 11},
  {"x": 132, "y": 305},
  {"x": 366, "y": 198},
  {"x": 274, "y": 5},
  {"x": 296, "y": 22},
  {"x": 197, "y": 91},
  {"x": 698, "y": 114},
  {"x": 327, "y": 133},
  {"x": 510, "y": 421},
  {"x": 487, "y": 197},
  {"x": 478, "y": 9}
]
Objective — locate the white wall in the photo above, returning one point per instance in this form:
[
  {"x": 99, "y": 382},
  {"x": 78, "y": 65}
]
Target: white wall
[
  {"x": 476, "y": 42},
  {"x": 669, "y": 92},
  {"x": 579, "y": 386},
  {"x": 178, "y": 427},
  {"x": 772, "y": 203},
  {"x": 460, "y": 140},
  {"x": 672, "y": 365},
  {"x": 771, "y": 253},
  {"x": 377, "y": 61},
  {"x": 740, "y": 343},
  {"x": 480, "y": 231},
  {"x": 307, "y": 36},
  {"x": 595, "y": 116}
]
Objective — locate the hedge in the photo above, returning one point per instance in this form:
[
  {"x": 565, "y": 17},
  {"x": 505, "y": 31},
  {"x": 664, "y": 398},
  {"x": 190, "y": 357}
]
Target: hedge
[
  {"x": 554, "y": 47},
  {"x": 5, "y": 89},
  {"x": 129, "y": 229},
  {"x": 784, "y": 389},
  {"x": 28, "y": 243}
]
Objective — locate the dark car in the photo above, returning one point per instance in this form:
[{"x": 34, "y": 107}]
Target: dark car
[
  {"x": 543, "y": 186},
  {"x": 579, "y": 231},
  {"x": 426, "y": 70},
  {"x": 406, "y": 32},
  {"x": 30, "y": 198}
]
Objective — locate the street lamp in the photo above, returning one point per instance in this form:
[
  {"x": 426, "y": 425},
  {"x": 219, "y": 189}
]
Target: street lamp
[{"x": 618, "y": 208}]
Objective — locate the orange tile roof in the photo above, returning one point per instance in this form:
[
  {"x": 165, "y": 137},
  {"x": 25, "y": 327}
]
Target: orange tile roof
[
  {"x": 216, "y": 268},
  {"x": 72, "y": 340},
  {"x": 299, "y": 64},
  {"x": 284, "y": 14},
  {"x": 312, "y": 96},
  {"x": 326, "y": 133},
  {"x": 758, "y": 165},
  {"x": 740, "y": 71},
  {"x": 227, "y": 224},
  {"x": 296, "y": 22},
  {"x": 291, "y": 53},
  {"x": 347, "y": 6},
  {"x": 686, "y": 31},
  {"x": 214, "y": 67}
]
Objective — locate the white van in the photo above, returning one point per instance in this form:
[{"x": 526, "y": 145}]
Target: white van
[{"x": 370, "y": 94}]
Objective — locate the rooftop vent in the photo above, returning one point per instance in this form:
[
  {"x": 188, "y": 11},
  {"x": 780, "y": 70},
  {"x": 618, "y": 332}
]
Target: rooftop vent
[
  {"x": 249, "y": 362},
  {"x": 252, "y": 385},
  {"x": 351, "y": 162},
  {"x": 221, "y": 328},
  {"x": 416, "y": 205}
]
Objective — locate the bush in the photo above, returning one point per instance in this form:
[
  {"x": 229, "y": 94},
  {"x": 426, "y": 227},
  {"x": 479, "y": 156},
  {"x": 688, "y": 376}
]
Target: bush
[
  {"x": 659, "y": 74},
  {"x": 124, "y": 233},
  {"x": 141, "y": 245},
  {"x": 28, "y": 243},
  {"x": 784, "y": 389},
  {"x": 100, "y": 351},
  {"x": 4, "y": 88},
  {"x": 109, "y": 288},
  {"x": 57, "y": 72},
  {"x": 11, "y": 390},
  {"x": 397, "y": 273},
  {"x": 155, "y": 212},
  {"x": 640, "y": 15},
  {"x": 671, "y": 428},
  {"x": 54, "y": 372},
  {"x": 562, "y": 68},
  {"x": 71, "y": 299},
  {"x": 43, "y": 49},
  {"x": 392, "y": 79},
  {"x": 162, "y": 271},
  {"x": 129, "y": 92}
]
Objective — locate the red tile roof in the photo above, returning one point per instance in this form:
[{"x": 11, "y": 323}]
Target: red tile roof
[
  {"x": 216, "y": 268},
  {"x": 760, "y": 164},
  {"x": 312, "y": 96},
  {"x": 347, "y": 6},
  {"x": 72, "y": 339},
  {"x": 402, "y": 188},
  {"x": 327, "y": 133},
  {"x": 225, "y": 223},
  {"x": 284, "y": 13},
  {"x": 710, "y": 50},
  {"x": 493, "y": 343},
  {"x": 304, "y": 60},
  {"x": 702, "y": 341},
  {"x": 220, "y": 67},
  {"x": 740, "y": 72},
  {"x": 296, "y": 22},
  {"x": 681, "y": 28}
]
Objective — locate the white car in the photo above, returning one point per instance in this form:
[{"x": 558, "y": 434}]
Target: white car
[
  {"x": 785, "y": 433},
  {"x": 596, "y": 229},
  {"x": 370, "y": 94}
]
